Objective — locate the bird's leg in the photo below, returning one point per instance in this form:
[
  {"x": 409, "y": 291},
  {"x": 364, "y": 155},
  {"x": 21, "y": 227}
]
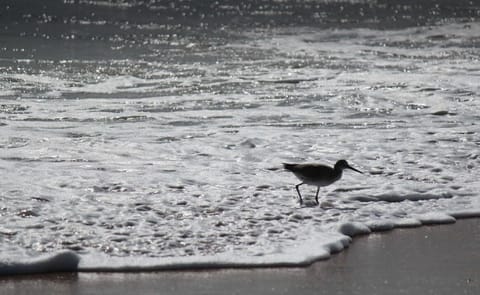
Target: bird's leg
[
  {"x": 316, "y": 196},
  {"x": 298, "y": 191}
]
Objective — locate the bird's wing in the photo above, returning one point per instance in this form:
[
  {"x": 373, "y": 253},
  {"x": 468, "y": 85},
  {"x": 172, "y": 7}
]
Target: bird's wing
[
  {"x": 313, "y": 170},
  {"x": 308, "y": 170}
]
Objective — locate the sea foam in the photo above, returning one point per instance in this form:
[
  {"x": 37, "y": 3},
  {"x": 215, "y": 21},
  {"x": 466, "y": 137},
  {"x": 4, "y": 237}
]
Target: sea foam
[
  {"x": 170, "y": 158},
  {"x": 64, "y": 261},
  {"x": 320, "y": 246}
]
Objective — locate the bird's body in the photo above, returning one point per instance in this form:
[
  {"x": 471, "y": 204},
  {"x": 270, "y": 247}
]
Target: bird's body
[
  {"x": 317, "y": 174},
  {"x": 314, "y": 174}
]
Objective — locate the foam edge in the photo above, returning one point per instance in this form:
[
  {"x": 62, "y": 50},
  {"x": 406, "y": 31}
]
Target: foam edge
[{"x": 63, "y": 261}]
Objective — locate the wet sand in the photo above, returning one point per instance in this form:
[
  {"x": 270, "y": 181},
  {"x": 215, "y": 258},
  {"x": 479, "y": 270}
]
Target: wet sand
[{"x": 442, "y": 259}]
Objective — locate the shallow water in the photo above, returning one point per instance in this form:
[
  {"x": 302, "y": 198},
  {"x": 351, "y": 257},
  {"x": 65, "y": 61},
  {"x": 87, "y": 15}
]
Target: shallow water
[{"x": 147, "y": 140}]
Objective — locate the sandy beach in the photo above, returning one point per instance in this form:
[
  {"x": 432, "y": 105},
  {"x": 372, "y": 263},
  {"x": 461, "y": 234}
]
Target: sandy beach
[{"x": 442, "y": 259}]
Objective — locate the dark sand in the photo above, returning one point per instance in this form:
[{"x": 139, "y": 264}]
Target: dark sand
[{"x": 443, "y": 259}]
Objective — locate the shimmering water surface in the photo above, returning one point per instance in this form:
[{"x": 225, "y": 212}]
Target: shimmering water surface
[{"x": 158, "y": 130}]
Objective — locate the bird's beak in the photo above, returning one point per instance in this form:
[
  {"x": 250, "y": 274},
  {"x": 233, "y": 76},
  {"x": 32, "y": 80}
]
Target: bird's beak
[{"x": 350, "y": 167}]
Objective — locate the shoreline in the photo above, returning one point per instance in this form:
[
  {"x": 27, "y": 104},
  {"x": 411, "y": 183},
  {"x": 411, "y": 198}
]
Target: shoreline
[{"x": 437, "y": 259}]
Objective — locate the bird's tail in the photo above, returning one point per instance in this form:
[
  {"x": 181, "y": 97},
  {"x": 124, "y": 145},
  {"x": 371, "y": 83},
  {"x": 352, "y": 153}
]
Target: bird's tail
[{"x": 288, "y": 166}]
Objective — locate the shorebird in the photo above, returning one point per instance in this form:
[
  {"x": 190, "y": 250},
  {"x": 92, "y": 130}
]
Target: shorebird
[{"x": 317, "y": 174}]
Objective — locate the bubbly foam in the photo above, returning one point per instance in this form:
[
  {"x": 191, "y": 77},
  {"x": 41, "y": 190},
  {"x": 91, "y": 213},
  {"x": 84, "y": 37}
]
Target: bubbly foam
[{"x": 172, "y": 160}]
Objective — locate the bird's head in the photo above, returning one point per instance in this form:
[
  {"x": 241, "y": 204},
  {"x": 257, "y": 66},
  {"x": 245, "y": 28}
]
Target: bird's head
[{"x": 342, "y": 164}]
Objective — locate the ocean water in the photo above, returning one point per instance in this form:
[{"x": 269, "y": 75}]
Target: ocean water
[{"x": 151, "y": 136}]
